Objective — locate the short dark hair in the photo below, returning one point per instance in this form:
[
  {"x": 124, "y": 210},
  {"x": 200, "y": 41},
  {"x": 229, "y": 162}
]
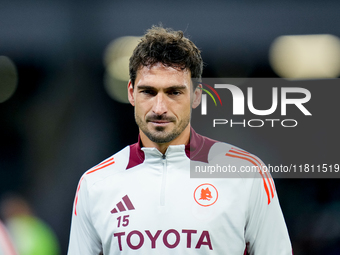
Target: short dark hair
[{"x": 169, "y": 47}]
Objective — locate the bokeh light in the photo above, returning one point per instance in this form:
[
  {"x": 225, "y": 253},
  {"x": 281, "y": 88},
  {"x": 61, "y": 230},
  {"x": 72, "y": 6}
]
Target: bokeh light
[
  {"x": 306, "y": 56},
  {"x": 8, "y": 78},
  {"x": 116, "y": 61}
]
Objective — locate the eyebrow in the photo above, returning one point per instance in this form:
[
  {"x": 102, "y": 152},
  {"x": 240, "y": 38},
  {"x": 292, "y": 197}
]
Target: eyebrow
[{"x": 167, "y": 88}]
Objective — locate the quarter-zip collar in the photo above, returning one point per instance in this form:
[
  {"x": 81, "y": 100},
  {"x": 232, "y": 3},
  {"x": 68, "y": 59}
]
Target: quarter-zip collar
[
  {"x": 173, "y": 151},
  {"x": 197, "y": 149}
]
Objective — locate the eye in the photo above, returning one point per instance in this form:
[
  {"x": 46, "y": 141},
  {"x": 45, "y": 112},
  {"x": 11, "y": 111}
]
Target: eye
[
  {"x": 148, "y": 92},
  {"x": 175, "y": 92}
]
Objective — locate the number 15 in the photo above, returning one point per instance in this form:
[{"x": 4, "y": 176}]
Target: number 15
[{"x": 125, "y": 220}]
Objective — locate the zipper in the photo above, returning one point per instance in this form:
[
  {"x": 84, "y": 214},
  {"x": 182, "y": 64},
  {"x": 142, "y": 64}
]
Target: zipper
[{"x": 162, "y": 198}]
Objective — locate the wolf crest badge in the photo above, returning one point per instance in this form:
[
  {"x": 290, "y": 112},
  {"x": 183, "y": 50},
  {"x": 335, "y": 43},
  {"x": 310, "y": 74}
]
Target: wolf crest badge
[{"x": 206, "y": 194}]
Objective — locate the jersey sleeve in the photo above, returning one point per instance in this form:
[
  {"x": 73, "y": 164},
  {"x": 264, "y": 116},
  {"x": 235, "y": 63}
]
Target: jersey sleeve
[
  {"x": 266, "y": 232},
  {"x": 84, "y": 239}
]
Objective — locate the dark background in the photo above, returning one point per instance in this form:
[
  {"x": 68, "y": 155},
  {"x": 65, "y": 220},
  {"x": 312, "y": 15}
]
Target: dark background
[{"x": 60, "y": 121}]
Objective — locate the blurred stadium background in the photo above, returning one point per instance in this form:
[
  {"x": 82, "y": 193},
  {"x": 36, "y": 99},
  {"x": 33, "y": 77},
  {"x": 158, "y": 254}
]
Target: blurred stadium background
[{"x": 60, "y": 114}]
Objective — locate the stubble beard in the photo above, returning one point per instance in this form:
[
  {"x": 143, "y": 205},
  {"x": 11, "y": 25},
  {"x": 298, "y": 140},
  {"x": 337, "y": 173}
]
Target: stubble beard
[{"x": 159, "y": 134}]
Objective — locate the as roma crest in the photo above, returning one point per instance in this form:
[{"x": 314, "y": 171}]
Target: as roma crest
[{"x": 206, "y": 194}]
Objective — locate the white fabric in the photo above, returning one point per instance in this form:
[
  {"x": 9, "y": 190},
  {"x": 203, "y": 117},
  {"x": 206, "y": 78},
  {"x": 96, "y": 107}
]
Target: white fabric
[{"x": 166, "y": 219}]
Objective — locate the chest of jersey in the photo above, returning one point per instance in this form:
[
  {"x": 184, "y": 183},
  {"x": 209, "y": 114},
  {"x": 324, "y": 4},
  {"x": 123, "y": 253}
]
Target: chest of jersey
[{"x": 156, "y": 207}]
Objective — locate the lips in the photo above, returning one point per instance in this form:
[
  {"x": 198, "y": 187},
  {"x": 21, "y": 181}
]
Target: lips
[{"x": 160, "y": 122}]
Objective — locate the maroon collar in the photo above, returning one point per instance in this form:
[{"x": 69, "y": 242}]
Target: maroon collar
[
  {"x": 136, "y": 154},
  {"x": 197, "y": 149}
]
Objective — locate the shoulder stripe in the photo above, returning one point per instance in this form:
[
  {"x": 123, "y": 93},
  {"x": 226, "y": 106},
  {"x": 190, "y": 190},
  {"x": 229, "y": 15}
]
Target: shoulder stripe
[
  {"x": 104, "y": 162},
  {"x": 76, "y": 198},
  {"x": 102, "y": 165},
  {"x": 251, "y": 159},
  {"x": 236, "y": 149},
  {"x": 260, "y": 165},
  {"x": 99, "y": 167}
]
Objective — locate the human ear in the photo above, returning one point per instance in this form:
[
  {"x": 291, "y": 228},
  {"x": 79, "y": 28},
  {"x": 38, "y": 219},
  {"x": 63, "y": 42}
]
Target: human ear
[
  {"x": 130, "y": 93},
  {"x": 197, "y": 96}
]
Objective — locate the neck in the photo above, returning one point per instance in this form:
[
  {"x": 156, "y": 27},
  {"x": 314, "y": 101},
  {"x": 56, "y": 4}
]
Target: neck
[{"x": 183, "y": 138}]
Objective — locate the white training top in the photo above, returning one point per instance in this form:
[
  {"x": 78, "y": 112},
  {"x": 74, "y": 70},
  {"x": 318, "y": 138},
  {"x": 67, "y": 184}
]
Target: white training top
[{"x": 140, "y": 201}]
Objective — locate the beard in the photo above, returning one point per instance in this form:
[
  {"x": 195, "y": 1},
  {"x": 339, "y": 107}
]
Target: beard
[{"x": 160, "y": 134}]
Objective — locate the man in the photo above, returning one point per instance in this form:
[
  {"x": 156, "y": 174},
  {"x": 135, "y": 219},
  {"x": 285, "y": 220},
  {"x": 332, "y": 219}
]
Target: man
[{"x": 142, "y": 199}]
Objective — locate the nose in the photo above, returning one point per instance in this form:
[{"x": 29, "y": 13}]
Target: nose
[{"x": 160, "y": 106}]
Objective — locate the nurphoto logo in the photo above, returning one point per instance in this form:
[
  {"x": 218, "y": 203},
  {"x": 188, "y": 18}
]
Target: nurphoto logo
[{"x": 279, "y": 100}]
